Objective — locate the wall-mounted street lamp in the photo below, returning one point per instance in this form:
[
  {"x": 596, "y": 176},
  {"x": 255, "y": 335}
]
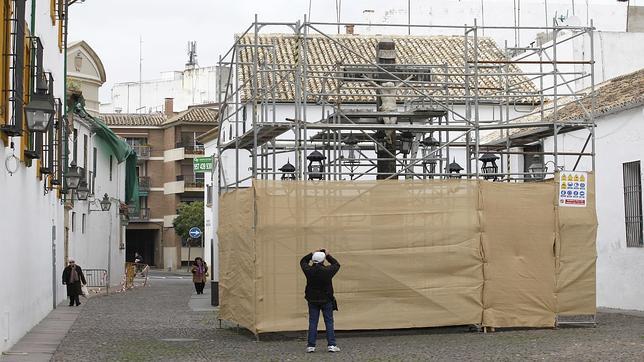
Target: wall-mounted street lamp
[
  {"x": 82, "y": 192},
  {"x": 73, "y": 176},
  {"x": 105, "y": 203},
  {"x": 41, "y": 109}
]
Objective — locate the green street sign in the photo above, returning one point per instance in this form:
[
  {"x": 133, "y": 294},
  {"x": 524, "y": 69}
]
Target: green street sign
[{"x": 202, "y": 164}]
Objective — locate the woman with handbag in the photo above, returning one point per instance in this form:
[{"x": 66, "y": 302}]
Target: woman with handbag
[
  {"x": 199, "y": 273},
  {"x": 73, "y": 277}
]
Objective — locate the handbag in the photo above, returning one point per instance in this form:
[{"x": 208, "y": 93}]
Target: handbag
[{"x": 84, "y": 291}]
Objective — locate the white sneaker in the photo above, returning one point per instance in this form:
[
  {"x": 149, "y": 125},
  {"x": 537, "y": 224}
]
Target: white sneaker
[
  {"x": 310, "y": 349},
  {"x": 333, "y": 349}
]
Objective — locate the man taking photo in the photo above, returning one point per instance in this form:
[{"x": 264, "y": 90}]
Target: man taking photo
[{"x": 319, "y": 295}]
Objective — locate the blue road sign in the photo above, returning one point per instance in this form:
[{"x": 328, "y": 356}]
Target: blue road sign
[{"x": 194, "y": 232}]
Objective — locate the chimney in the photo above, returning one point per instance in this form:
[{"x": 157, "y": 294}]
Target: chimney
[
  {"x": 349, "y": 29},
  {"x": 169, "y": 107}
]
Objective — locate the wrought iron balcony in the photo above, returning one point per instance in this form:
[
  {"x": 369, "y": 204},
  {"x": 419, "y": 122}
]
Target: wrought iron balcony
[
  {"x": 191, "y": 148},
  {"x": 189, "y": 181},
  {"x": 144, "y": 183},
  {"x": 142, "y": 151},
  {"x": 142, "y": 214}
]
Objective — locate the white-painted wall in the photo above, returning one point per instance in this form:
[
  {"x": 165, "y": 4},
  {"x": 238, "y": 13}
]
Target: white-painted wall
[
  {"x": 619, "y": 139},
  {"x": 98, "y": 247},
  {"x": 31, "y": 232},
  {"x": 188, "y": 87},
  {"x": 211, "y": 218}
]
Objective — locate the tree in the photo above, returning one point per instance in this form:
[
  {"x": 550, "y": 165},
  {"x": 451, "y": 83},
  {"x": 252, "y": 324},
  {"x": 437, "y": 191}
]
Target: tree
[{"x": 190, "y": 215}]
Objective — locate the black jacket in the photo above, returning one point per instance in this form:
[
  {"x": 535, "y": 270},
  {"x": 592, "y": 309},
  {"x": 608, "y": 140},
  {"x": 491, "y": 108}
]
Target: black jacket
[
  {"x": 319, "y": 287},
  {"x": 74, "y": 288}
]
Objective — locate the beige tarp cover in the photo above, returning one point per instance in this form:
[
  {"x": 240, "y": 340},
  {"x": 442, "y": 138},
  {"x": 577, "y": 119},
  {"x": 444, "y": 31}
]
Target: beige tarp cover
[{"x": 418, "y": 253}]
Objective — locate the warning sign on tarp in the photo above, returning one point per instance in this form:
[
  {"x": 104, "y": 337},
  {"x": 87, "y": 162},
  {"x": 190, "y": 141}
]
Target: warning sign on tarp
[{"x": 573, "y": 189}]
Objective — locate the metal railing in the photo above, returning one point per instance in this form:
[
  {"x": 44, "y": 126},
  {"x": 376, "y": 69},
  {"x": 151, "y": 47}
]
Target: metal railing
[
  {"x": 191, "y": 181},
  {"x": 142, "y": 152},
  {"x": 134, "y": 272},
  {"x": 97, "y": 278},
  {"x": 144, "y": 183},
  {"x": 191, "y": 148},
  {"x": 140, "y": 214}
]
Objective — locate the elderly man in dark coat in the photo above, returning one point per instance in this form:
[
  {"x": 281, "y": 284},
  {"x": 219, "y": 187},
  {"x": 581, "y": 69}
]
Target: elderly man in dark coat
[{"x": 73, "y": 277}]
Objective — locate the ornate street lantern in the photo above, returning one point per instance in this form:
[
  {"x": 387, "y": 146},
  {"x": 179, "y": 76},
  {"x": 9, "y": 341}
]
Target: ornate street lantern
[
  {"x": 288, "y": 171},
  {"x": 350, "y": 154},
  {"x": 316, "y": 167},
  {"x": 454, "y": 169},
  {"x": 537, "y": 170},
  {"x": 73, "y": 176},
  {"x": 106, "y": 203},
  {"x": 406, "y": 141},
  {"x": 82, "y": 192},
  {"x": 428, "y": 148},
  {"x": 490, "y": 167}
]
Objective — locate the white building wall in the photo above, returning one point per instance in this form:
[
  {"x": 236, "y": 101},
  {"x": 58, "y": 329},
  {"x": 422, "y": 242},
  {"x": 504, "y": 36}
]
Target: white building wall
[
  {"x": 192, "y": 86},
  {"x": 619, "y": 139},
  {"x": 31, "y": 232},
  {"x": 98, "y": 246}
]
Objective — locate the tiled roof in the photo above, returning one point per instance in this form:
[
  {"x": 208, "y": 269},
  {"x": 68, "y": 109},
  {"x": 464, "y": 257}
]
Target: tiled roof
[
  {"x": 194, "y": 115},
  {"x": 132, "y": 119},
  {"x": 324, "y": 55},
  {"x": 613, "y": 95}
]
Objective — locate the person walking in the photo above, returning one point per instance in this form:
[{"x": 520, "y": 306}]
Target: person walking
[
  {"x": 319, "y": 295},
  {"x": 73, "y": 277},
  {"x": 199, "y": 273}
]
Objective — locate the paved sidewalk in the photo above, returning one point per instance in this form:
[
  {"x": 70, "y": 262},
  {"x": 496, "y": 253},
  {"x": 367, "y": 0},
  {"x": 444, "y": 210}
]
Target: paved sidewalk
[{"x": 41, "y": 342}]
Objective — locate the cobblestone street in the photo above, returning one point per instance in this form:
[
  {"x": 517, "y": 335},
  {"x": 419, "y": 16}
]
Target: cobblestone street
[{"x": 156, "y": 323}]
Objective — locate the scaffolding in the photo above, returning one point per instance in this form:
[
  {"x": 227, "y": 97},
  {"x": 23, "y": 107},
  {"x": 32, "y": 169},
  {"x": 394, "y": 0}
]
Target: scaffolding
[{"x": 400, "y": 106}]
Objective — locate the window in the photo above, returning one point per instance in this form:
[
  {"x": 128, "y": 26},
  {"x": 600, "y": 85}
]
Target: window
[
  {"x": 75, "y": 146},
  {"x": 633, "y": 203},
  {"x": 85, "y": 145},
  {"x": 94, "y": 157},
  {"x": 110, "y": 167},
  {"x": 73, "y": 221},
  {"x": 83, "y": 224}
]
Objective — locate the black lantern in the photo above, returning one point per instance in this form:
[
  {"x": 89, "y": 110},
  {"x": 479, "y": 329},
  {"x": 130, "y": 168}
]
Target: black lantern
[
  {"x": 73, "y": 176},
  {"x": 490, "y": 167},
  {"x": 454, "y": 169},
  {"x": 288, "y": 171},
  {"x": 106, "y": 203},
  {"x": 40, "y": 109},
  {"x": 350, "y": 156},
  {"x": 316, "y": 167},
  {"x": 537, "y": 170},
  {"x": 379, "y": 138},
  {"x": 82, "y": 192},
  {"x": 429, "y": 147},
  {"x": 406, "y": 141}
]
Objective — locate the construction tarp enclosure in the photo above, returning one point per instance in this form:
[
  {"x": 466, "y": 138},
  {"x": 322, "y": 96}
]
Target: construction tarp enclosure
[{"x": 414, "y": 253}]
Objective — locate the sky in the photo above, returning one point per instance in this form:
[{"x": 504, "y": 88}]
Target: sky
[{"x": 115, "y": 28}]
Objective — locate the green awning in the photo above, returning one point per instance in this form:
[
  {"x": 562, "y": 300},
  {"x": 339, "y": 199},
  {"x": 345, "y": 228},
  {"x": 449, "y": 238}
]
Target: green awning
[{"x": 121, "y": 150}]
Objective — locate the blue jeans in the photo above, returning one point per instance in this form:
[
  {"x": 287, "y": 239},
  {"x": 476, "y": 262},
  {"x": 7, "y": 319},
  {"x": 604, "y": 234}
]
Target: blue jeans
[{"x": 314, "y": 316}]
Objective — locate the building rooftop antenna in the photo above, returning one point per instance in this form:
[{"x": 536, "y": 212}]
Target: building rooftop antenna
[{"x": 192, "y": 54}]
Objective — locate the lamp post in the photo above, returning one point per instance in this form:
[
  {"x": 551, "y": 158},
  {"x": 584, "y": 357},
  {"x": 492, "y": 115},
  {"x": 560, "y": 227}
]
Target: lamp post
[
  {"x": 73, "y": 176},
  {"x": 106, "y": 204},
  {"x": 316, "y": 167},
  {"x": 288, "y": 171},
  {"x": 489, "y": 168},
  {"x": 454, "y": 169}
]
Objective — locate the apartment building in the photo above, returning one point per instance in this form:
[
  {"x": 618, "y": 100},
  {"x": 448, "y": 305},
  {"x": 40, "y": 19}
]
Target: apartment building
[{"x": 166, "y": 144}]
